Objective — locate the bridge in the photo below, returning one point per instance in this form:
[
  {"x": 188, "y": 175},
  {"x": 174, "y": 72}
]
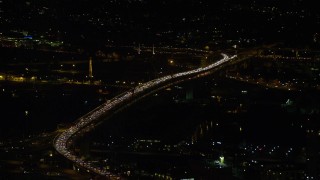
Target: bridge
[{"x": 88, "y": 122}]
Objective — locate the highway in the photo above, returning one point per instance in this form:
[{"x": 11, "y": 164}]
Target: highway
[{"x": 88, "y": 122}]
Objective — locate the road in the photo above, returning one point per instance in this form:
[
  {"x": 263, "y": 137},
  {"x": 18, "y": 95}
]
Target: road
[{"x": 88, "y": 122}]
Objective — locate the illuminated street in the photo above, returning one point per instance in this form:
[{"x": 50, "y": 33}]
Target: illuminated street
[{"x": 87, "y": 122}]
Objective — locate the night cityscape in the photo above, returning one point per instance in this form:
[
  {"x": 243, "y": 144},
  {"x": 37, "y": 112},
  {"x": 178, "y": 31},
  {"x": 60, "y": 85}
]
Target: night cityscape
[{"x": 160, "y": 89}]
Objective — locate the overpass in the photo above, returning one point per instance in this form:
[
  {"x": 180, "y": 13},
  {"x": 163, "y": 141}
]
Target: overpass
[{"x": 88, "y": 122}]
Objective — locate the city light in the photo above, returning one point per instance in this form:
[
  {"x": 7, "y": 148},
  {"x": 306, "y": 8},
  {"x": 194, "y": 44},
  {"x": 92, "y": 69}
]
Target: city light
[{"x": 61, "y": 142}]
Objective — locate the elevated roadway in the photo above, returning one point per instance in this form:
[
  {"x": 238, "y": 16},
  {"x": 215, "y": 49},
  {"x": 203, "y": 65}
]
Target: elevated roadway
[{"x": 63, "y": 142}]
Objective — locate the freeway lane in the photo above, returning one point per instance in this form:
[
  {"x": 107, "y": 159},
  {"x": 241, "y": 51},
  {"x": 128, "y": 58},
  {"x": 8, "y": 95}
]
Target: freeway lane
[{"x": 86, "y": 123}]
